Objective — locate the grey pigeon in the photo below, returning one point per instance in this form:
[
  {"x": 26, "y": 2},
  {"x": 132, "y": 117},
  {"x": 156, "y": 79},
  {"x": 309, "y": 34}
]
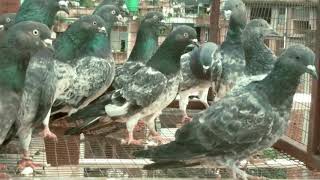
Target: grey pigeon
[
  {"x": 227, "y": 61},
  {"x": 258, "y": 57},
  {"x": 96, "y": 67},
  {"x": 42, "y": 11},
  {"x": 6, "y": 20},
  {"x": 119, "y": 3},
  {"x": 52, "y": 75},
  {"x": 20, "y": 43},
  {"x": 151, "y": 88},
  {"x": 231, "y": 50},
  {"x": 144, "y": 48},
  {"x": 200, "y": 68},
  {"x": 243, "y": 122}
]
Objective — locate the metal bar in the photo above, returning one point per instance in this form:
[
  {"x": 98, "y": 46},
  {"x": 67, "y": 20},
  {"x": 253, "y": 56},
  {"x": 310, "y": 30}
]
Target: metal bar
[
  {"x": 214, "y": 21},
  {"x": 314, "y": 125}
]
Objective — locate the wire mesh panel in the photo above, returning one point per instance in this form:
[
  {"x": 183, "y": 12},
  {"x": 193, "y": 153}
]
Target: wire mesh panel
[{"x": 100, "y": 151}]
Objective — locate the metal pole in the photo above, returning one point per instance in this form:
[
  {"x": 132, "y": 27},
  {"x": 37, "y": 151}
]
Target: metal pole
[{"x": 214, "y": 21}]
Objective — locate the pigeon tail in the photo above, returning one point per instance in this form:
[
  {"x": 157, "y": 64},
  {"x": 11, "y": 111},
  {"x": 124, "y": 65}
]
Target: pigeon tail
[{"x": 169, "y": 165}]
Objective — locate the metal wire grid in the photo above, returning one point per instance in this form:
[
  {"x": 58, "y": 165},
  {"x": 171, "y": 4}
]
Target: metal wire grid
[{"x": 104, "y": 156}]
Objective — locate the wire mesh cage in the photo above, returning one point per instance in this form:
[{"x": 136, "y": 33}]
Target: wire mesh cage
[{"x": 99, "y": 151}]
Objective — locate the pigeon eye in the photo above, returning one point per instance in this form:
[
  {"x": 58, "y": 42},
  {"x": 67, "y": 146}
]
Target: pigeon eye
[
  {"x": 297, "y": 57},
  {"x": 35, "y": 32},
  {"x": 94, "y": 23},
  {"x": 185, "y": 35},
  {"x": 113, "y": 12},
  {"x": 8, "y": 20}
]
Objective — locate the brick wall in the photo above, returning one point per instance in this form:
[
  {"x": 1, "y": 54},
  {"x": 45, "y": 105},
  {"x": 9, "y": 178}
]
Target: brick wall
[{"x": 9, "y": 6}]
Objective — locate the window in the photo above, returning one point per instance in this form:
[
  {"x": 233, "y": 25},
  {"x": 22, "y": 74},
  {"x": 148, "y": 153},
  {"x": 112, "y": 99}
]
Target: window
[{"x": 264, "y": 13}]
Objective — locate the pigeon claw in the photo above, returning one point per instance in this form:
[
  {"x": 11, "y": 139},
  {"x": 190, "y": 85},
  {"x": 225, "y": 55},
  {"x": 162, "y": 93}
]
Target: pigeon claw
[
  {"x": 138, "y": 142},
  {"x": 23, "y": 163},
  {"x": 186, "y": 119},
  {"x": 160, "y": 139},
  {"x": 47, "y": 134},
  {"x": 3, "y": 166}
]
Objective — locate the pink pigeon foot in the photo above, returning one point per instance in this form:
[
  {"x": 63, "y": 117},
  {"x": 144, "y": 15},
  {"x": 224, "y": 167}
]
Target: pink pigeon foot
[
  {"x": 46, "y": 133},
  {"x": 23, "y": 163},
  {"x": 186, "y": 119}
]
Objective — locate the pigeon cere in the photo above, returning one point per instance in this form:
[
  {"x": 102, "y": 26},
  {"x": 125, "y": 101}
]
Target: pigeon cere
[{"x": 160, "y": 89}]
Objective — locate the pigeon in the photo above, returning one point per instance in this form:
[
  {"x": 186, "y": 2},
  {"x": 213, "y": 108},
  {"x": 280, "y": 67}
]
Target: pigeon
[
  {"x": 258, "y": 57},
  {"x": 19, "y": 44},
  {"x": 52, "y": 75},
  {"x": 43, "y": 11},
  {"x": 96, "y": 69},
  {"x": 144, "y": 48},
  {"x": 246, "y": 120},
  {"x": 119, "y": 3},
  {"x": 6, "y": 20},
  {"x": 231, "y": 50},
  {"x": 150, "y": 88},
  {"x": 199, "y": 68}
]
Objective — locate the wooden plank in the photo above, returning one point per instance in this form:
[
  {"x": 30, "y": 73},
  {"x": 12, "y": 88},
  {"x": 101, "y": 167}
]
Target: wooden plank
[{"x": 314, "y": 124}]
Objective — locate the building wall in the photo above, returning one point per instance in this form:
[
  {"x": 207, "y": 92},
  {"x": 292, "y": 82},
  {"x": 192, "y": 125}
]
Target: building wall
[{"x": 9, "y": 6}]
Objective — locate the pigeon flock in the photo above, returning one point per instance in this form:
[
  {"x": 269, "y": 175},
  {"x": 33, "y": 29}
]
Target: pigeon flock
[{"x": 76, "y": 74}]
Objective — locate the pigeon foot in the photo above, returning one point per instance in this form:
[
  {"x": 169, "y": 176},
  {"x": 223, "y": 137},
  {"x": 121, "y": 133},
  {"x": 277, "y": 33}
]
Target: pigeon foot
[
  {"x": 46, "y": 133},
  {"x": 186, "y": 119},
  {"x": 23, "y": 163}
]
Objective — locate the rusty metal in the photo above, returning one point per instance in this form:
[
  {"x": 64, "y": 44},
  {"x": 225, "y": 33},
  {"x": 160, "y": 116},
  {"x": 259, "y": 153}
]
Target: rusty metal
[
  {"x": 314, "y": 124},
  {"x": 214, "y": 21}
]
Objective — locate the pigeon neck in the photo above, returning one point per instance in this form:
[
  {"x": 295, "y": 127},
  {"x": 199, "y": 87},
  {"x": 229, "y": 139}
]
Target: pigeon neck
[
  {"x": 33, "y": 12},
  {"x": 68, "y": 44},
  {"x": 259, "y": 58},
  {"x": 145, "y": 46},
  {"x": 99, "y": 46},
  {"x": 280, "y": 85},
  {"x": 167, "y": 58}
]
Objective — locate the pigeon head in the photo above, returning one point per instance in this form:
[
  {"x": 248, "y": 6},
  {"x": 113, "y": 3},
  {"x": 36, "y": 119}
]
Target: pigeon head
[
  {"x": 183, "y": 36},
  {"x": 259, "y": 28},
  {"x": 167, "y": 57},
  {"x": 6, "y": 20},
  {"x": 228, "y": 6},
  {"x": 300, "y": 59},
  {"x": 154, "y": 20},
  {"x": 29, "y": 36},
  {"x": 110, "y": 14},
  {"x": 207, "y": 54},
  {"x": 118, "y": 3},
  {"x": 89, "y": 25},
  {"x": 42, "y": 11}
]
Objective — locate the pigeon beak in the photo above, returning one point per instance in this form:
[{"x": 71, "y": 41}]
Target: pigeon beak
[
  {"x": 272, "y": 33},
  {"x": 1, "y": 27},
  {"x": 48, "y": 43},
  {"x": 311, "y": 69},
  {"x": 195, "y": 42},
  {"x": 63, "y": 5},
  {"x": 102, "y": 30},
  {"x": 163, "y": 25},
  {"x": 227, "y": 15}
]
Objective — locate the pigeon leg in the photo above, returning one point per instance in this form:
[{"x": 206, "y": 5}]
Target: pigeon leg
[
  {"x": 203, "y": 96},
  {"x": 183, "y": 103},
  {"x": 131, "y": 140},
  {"x": 151, "y": 125},
  {"x": 131, "y": 123},
  {"x": 46, "y": 133}
]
